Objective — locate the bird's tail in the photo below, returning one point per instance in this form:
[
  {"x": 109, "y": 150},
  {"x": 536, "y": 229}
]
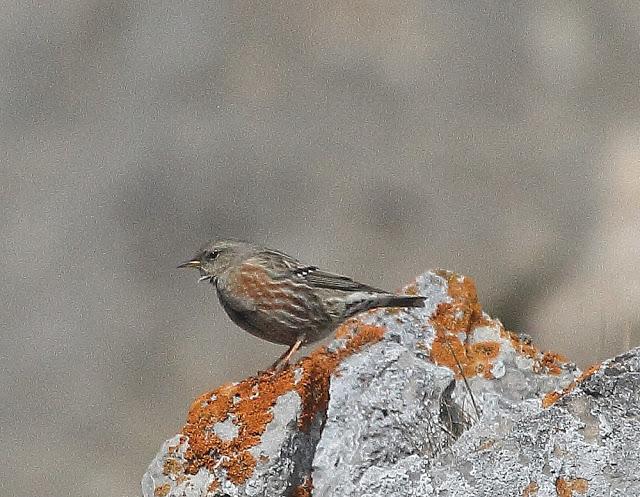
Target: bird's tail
[
  {"x": 399, "y": 301},
  {"x": 361, "y": 301}
]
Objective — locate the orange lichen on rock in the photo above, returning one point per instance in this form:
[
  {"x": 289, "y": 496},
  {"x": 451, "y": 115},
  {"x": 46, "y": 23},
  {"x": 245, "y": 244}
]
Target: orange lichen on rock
[
  {"x": 523, "y": 348},
  {"x": 464, "y": 311},
  {"x": 452, "y": 322},
  {"x": 174, "y": 448},
  {"x": 566, "y": 488},
  {"x": 303, "y": 490},
  {"x": 588, "y": 372},
  {"x": 552, "y": 397},
  {"x": 213, "y": 486},
  {"x": 547, "y": 362},
  {"x": 162, "y": 490},
  {"x": 530, "y": 490},
  {"x": 411, "y": 289},
  {"x": 487, "y": 444},
  {"x": 171, "y": 467},
  {"x": 248, "y": 405},
  {"x": 552, "y": 362},
  {"x": 455, "y": 321}
]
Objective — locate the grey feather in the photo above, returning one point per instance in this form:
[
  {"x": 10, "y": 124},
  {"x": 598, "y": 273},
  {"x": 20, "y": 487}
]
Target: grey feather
[
  {"x": 358, "y": 302},
  {"x": 321, "y": 279}
]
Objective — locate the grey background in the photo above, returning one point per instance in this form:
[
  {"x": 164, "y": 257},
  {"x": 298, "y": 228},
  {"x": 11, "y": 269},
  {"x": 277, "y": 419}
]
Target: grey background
[{"x": 377, "y": 139}]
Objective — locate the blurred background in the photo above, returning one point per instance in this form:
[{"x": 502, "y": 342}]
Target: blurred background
[{"x": 376, "y": 139}]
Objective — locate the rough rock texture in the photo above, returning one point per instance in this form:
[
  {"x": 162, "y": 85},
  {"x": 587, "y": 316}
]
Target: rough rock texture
[{"x": 385, "y": 410}]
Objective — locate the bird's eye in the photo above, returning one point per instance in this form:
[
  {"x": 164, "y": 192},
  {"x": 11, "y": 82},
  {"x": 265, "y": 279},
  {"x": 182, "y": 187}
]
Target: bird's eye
[{"x": 211, "y": 254}]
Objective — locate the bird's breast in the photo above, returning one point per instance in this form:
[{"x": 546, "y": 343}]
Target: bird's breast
[{"x": 276, "y": 309}]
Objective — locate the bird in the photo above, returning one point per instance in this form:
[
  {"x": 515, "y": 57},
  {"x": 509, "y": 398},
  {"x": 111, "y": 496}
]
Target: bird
[{"x": 282, "y": 300}]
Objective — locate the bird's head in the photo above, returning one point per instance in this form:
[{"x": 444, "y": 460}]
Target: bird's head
[{"x": 216, "y": 258}]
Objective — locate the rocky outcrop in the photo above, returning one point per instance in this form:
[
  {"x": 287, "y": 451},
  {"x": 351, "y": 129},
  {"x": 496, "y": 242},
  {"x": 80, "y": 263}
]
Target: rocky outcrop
[{"x": 436, "y": 401}]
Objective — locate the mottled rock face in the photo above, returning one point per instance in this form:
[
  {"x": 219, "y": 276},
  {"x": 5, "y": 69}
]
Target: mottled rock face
[{"x": 385, "y": 410}]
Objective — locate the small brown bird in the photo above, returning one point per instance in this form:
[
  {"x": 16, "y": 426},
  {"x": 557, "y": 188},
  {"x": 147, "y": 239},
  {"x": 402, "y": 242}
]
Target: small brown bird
[{"x": 278, "y": 298}]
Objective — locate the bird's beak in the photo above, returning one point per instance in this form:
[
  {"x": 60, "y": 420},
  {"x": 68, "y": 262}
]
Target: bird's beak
[{"x": 195, "y": 263}]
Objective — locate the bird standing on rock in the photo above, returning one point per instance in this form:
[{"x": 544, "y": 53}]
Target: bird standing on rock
[{"x": 278, "y": 298}]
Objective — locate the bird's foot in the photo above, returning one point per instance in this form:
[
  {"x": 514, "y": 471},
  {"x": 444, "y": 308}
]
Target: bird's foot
[{"x": 283, "y": 361}]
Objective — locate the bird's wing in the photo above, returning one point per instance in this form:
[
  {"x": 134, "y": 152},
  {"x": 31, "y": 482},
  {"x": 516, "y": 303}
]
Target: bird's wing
[
  {"x": 293, "y": 268},
  {"x": 278, "y": 262},
  {"x": 321, "y": 279}
]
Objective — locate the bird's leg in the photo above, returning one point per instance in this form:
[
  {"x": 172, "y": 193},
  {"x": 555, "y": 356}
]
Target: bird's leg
[{"x": 283, "y": 360}]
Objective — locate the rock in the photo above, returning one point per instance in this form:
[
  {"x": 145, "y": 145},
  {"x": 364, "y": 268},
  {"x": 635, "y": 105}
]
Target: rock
[{"x": 386, "y": 410}]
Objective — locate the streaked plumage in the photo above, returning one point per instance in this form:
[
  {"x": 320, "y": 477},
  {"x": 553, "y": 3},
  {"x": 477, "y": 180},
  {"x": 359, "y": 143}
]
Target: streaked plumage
[{"x": 278, "y": 298}]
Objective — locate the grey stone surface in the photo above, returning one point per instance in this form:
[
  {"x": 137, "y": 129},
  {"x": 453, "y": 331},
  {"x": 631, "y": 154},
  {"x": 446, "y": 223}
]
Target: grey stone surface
[
  {"x": 591, "y": 434},
  {"x": 396, "y": 424}
]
